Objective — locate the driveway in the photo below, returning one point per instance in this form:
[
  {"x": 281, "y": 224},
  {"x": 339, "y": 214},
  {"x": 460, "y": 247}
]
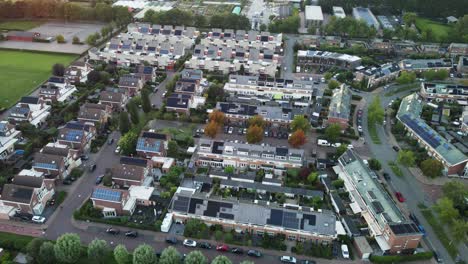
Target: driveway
[{"x": 156, "y": 98}]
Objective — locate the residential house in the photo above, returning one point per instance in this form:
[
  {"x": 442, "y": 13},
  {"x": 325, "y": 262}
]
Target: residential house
[
  {"x": 93, "y": 114},
  {"x": 142, "y": 194},
  {"x": 458, "y": 49},
  {"x": 57, "y": 89},
  {"x": 382, "y": 45},
  {"x": 421, "y": 65},
  {"x": 179, "y": 103},
  {"x": 27, "y": 194},
  {"x": 30, "y": 109},
  {"x": 448, "y": 92},
  {"x": 114, "y": 98},
  {"x": 146, "y": 73},
  {"x": 113, "y": 202},
  {"x": 310, "y": 58},
  {"x": 132, "y": 171},
  {"x": 131, "y": 83},
  {"x": 53, "y": 166},
  {"x": 78, "y": 72},
  {"x": 313, "y": 15},
  {"x": 462, "y": 66},
  {"x": 151, "y": 144},
  {"x": 76, "y": 135},
  {"x": 340, "y": 107},
  {"x": 70, "y": 156},
  {"x": 8, "y": 137},
  {"x": 164, "y": 164},
  {"x": 375, "y": 76}
]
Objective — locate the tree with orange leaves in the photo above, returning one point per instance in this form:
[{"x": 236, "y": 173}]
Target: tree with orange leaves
[
  {"x": 217, "y": 116},
  {"x": 298, "y": 138},
  {"x": 211, "y": 129},
  {"x": 254, "y": 134}
]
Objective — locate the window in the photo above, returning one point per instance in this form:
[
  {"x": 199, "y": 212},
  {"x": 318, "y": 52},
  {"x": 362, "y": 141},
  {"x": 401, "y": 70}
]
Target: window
[{"x": 292, "y": 237}]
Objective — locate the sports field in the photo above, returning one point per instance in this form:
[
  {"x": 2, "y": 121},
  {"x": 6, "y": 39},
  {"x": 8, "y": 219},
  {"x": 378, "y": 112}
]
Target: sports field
[
  {"x": 19, "y": 25},
  {"x": 439, "y": 30},
  {"x": 21, "y": 72}
]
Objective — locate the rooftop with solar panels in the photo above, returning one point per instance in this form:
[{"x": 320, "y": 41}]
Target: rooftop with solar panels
[
  {"x": 293, "y": 218},
  {"x": 374, "y": 197},
  {"x": 409, "y": 114}
]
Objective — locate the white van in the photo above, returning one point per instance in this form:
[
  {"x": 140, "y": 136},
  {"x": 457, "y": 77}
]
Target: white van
[{"x": 323, "y": 142}]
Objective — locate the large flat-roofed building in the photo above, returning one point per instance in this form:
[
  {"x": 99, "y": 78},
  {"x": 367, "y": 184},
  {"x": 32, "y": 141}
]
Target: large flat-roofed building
[
  {"x": 449, "y": 92},
  {"x": 272, "y": 88},
  {"x": 211, "y": 153},
  {"x": 458, "y": 49},
  {"x": 454, "y": 161},
  {"x": 339, "y": 12},
  {"x": 313, "y": 15},
  {"x": 365, "y": 14},
  {"x": 309, "y": 58},
  {"x": 340, "y": 107},
  {"x": 391, "y": 230},
  {"x": 299, "y": 223},
  {"x": 425, "y": 64}
]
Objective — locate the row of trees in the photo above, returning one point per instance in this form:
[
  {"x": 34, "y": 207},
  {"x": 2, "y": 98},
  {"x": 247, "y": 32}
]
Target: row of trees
[
  {"x": 429, "y": 166},
  {"x": 179, "y": 17},
  {"x": 68, "y": 249},
  {"x": 349, "y": 26},
  {"x": 286, "y": 25},
  {"x": 64, "y": 10}
]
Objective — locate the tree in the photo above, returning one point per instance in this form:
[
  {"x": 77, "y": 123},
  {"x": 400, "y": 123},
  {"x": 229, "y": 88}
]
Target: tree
[
  {"x": 333, "y": 132},
  {"x": 247, "y": 262},
  {"x": 215, "y": 93},
  {"x": 172, "y": 149},
  {"x": 195, "y": 257},
  {"x": 134, "y": 113},
  {"x": 67, "y": 248},
  {"x": 406, "y": 78},
  {"x": 128, "y": 143},
  {"x": 221, "y": 260},
  {"x": 374, "y": 164},
  {"x": 375, "y": 112},
  {"x": 91, "y": 40},
  {"x": 60, "y": 39},
  {"x": 457, "y": 193},
  {"x": 256, "y": 120},
  {"x": 459, "y": 228},
  {"x": 341, "y": 149},
  {"x": 297, "y": 138},
  {"x": 33, "y": 249},
  {"x": 432, "y": 167},
  {"x": 46, "y": 253},
  {"x": 124, "y": 122},
  {"x": 94, "y": 77},
  {"x": 58, "y": 69},
  {"x": 338, "y": 183},
  {"x": 195, "y": 228},
  {"x": 406, "y": 158},
  {"x": 409, "y": 18},
  {"x": 145, "y": 100},
  {"x": 447, "y": 213},
  {"x": 333, "y": 84},
  {"x": 300, "y": 122},
  {"x": 144, "y": 254},
  {"x": 313, "y": 176},
  {"x": 211, "y": 129},
  {"x": 170, "y": 255},
  {"x": 254, "y": 134},
  {"x": 229, "y": 169},
  {"x": 97, "y": 250},
  {"x": 432, "y": 75},
  {"x": 217, "y": 117}
]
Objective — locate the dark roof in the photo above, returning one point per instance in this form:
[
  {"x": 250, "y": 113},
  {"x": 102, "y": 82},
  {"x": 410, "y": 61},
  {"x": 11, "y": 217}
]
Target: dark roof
[
  {"x": 404, "y": 228},
  {"x": 148, "y": 134},
  {"x": 350, "y": 226},
  {"x": 281, "y": 151},
  {"x": 29, "y": 100},
  {"x": 56, "y": 151},
  {"x": 177, "y": 100},
  {"x": 134, "y": 161},
  {"x": 17, "y": 193},
  {"x": 129, "y": 172},
  {"x": 129, "y": 80},
  {"x": 338, "y": 202},
  {"x": 239, "y": 109},
  {"x": 28, "y": 181}
]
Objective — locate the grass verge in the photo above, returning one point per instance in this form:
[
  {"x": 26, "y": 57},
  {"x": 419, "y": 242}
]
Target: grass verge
[
  {"x": 439, "y": 30},
  {"x": 440, "y": 232},
  {"x": 403, "y": 88},
  {"x": 61, "y": 197},
  {"x": 19, "y": 25},
  {"x": 395, "y": 169},
  {"x": 373, "y": 133}
]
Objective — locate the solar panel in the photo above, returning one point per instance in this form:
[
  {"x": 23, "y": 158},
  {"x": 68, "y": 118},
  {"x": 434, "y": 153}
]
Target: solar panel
[
  {"x": 105, "y": 194},
  {"x": 290, "y": 220},
  {"x": 144, "y": 145},
  {"x": 276, "y": 217},
  {"x": 226, "y": 216},
  {"x": 74, "y": 135},
  {"x": 47, "y": 166},
  {"x": 181, "y": 204},
  {"x": 426, "y": 133}
]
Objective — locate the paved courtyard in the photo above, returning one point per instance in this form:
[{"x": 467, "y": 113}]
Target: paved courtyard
[{"x": 68, "y": 30}]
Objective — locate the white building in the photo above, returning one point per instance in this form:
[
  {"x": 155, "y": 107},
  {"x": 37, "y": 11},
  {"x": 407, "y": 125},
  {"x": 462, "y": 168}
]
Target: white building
[
  {"x": 339, "y": 12},
  {"x": 313, "y": 15},
  {"x": 30, "y": 109},
  {"x": 8, "y": 137}
]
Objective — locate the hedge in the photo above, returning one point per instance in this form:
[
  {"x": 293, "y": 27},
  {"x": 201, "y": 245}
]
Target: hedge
[
  {"x": 401, "y": 258},
  {"x": 13, "y": 241}
]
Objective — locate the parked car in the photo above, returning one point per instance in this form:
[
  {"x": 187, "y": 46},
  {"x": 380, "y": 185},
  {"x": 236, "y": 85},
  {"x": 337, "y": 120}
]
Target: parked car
[
  {"x": 222, "y": 247},
  {"x": 131, "y": 234},
  {"x": 254, "y": 253},
  {"x": 288, "y": 259},
  {"x": 396, "y": 148},
  {"x": 345, "y": 251},
  {"x": 359, "y": 128},
  {"x": 205, "y": 245},
  {"x": 238, "y": 251},
  {"x": 38, "y": 219},
  {"x": 99, "y": 179},
  {"x": 110, "y": 141},
  {"x": 437, "y": 257},
  {"x": 51, "y": 202},
  {"x": 112, "y": 231},
  {"x": 92, "y": 167},
  {"x": 67, "y": 182},
  {"x": 84, "y": 157},
  {"x": 400, "y": 197},
  {"x": 171, "y": 240},
  {"x": 307, "y": 262},
  {"x": 231, "y": 129},
  {"x": 386, "y": 176},
  {"x": 117, "y": 150},
  {"x": 189, "y": 243}
]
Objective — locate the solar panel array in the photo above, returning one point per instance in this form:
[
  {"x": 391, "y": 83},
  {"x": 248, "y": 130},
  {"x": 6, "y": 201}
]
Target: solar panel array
[
  {"x": 181, "y": 204},
  {"x": 290, "y": 220},
  {"x": 428, "y": 135},
  {"x": 106, "y": 194},
  {"x": 144, "y": 145},
  {"x": 48, "y": 166},
  {"x": 74, "y": 135}
]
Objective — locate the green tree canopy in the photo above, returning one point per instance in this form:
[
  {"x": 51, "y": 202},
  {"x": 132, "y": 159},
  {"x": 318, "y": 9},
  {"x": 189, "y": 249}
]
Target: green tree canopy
[
  {"x": 195, "y": 257},
  {"x": 221, "y": 260},
  {"x": 300, "y": 122},
  {"x": 128, "y": 143},
  {"x": 46, "y": 253},
  {"x": 333, "y": 132},
  {"x": 374, "y": 164},
  {"x": 98, "y": 250},
  {"x": 145, "y": 100},
  {"x": 170, "y": 255},
  {"x": 432, "y": 167},
  {"x": 144, "y": 254},
  {"x": 406, "y": 158},
  {"x": 33, "y": 249},
  {"x": 124, "y": 122},
  {"x": 447, "y": 213},
  {"x": 66, "y": 248}
]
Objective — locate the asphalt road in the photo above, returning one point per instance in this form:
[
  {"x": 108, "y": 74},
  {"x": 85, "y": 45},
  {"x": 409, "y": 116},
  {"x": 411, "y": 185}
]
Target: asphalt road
[{"x": 157, "y": 98}]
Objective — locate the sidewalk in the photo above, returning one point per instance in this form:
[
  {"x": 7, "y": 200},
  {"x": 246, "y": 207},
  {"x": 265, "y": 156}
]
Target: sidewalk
[{"x": 21, "y": 228}]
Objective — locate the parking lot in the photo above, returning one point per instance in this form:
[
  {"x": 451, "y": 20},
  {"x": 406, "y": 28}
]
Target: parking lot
[{"x": 68, "y": 30}]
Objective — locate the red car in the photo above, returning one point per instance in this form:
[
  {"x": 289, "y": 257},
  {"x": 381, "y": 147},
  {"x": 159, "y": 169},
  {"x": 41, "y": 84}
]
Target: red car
[
  {"x": 222, "y": 247},
  {"x": 400, "y": 197}
]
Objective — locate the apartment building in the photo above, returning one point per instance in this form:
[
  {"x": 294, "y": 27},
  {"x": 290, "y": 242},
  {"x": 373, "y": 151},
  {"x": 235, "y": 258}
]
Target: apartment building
[
  {"x": 426, "y": 65},
  {"x": 313, "y": 15},
  {"x": 365, "y": 14},
  {"x": 311, "y": 58},
  {"x": 458, "y": 49},
  {"x": 452, "y": 93},
  {"x": 269, "y": 88},
  {"x": 30, "y": 109},
  {"x": 8, "y": 137},
  {"x": 462, "y": 66},
  {"x": 391, "y": 230},
  {"x": 151, "y": 144},
  {"x": 296, "y": 223},
  {"x": 220, "y": 154},
  {"x": 340, "y": 107},
  {"x": 454, "y": 161},
  {"x": 376, "y": 76}
]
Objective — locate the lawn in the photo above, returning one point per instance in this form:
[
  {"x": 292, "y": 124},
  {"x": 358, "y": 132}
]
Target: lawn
[
  {"x": 21, "y": 72},
  {"x": 19, "y": 25},
  {"x": 440, "y": 30},
  {"x": 373, "y": 133}
]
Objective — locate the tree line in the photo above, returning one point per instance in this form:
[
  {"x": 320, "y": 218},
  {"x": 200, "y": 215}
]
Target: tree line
[
  {"x": 70, "y": 11},
  {"x": 178, "y": 17}
]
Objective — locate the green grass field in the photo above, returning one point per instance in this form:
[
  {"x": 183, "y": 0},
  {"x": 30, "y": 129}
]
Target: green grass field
[
  {"x": 440, "y": 30},
  {"x": 21, "y": 72},
  {"x": 19, "y": 25}
]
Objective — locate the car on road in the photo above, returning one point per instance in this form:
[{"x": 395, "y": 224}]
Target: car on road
[
  {"x": 396, "y": 148},
  {"x": 345, "y": 251},
  {"x": 204, "y": 245},
  {"x": 38, "y": 219},
  {"x": 359, "y": 112},
  {"x": 254, "y": 253},
  {"x": 189, "y": 243},
  {"x": 164, "y": 94},
  {"x": 231, "y": 129},
  {"x": 117, "y": 150},
  {"x": 171, "y": 240},
  {"x": 84, "y": 157},
  {"x": 99, "y": 179},
  {"x": 437, "y": 257},
  {"x": 307, "y": 262},
  {"x": 400, "y": 197},
  {"x": 110, "y": 141},
  {"x": 359, "y": 128},
  {"x": 222, "y": 247},
  {"x": 92, "y": 167},
  {"x": 67, "y": 182},
  {"x": 238, "y": 251},
  {"x": 131, "y": 233},
  {"x": 386, "y": 176},
  {"x": 112, "y": 231},
  {"x": 288, "y": 259}
]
